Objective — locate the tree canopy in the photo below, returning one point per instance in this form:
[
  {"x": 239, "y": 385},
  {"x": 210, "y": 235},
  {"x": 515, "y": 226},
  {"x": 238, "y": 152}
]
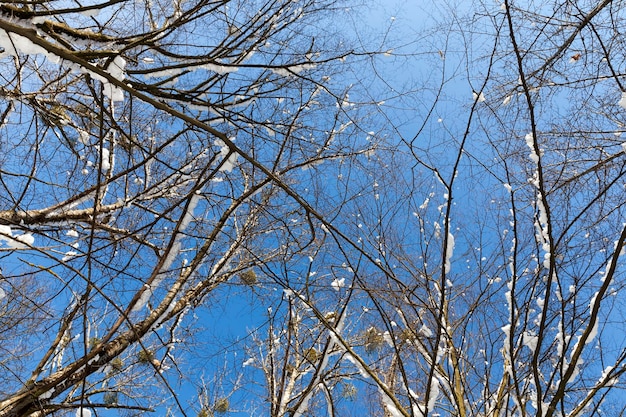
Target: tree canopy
[{"x": 312, "y": 208}]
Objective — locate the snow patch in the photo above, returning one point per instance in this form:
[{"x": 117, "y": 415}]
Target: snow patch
[
  {"x": 622, "y": 101},
  {"x": 21, "y": 241},
  {"x": 69, "y": 255},
  {"x": 47, "y": 394},
  {"x": 478, "y": 97},
  {"x": 358, "y": 365},
  {"x": 425, "y": 330},
  {"x": 449, "y": 251},
  {"x": 230, "y": 163},
  {"x": 292, "y": 69},
  {"x": 83, "y": 412},
  {"x": 605, "y": 373},
  {"x": 5, "y": 233},
  {"x": 338, "y": 283},
  {"x": 530, "y": 141},
  {"x": 391, "y": 408},
  {"x": 106, "y": 161},
  {"x": 530, "y": 340},
  {"x": 219, "y": 69}
]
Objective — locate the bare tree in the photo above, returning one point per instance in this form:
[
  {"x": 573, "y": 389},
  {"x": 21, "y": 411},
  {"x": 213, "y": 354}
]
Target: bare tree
[
  {"x": 484, "y": 269},
  {"x": 153, "y": 153},
  {"x": 497, "y": 274},
  {"x": 444, "y": 245}
]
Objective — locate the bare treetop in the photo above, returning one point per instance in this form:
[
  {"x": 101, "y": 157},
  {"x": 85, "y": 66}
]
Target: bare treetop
[{"x": 306, "y": 208}]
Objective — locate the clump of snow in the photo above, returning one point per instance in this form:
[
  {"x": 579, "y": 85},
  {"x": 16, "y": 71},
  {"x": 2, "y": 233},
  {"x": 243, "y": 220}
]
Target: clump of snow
[
  {"x": 338, "y": 283},
  {"x": 5, "y": 233},
  {"x": 229, "y": 164},
  {"x": 83, "y": 412},
  {"x": 530, "y": 141},
  {"x": 387, "y": 338},
  {"x": 425, "y": 330},
  {"x": 21, "y": 241},
  {"x": 188, "y": 216},
  {"x": 593, "y": 333},
  {"x": 449, "y": 251},
  {"x": 166, "y": 73},
  {"x": 622, "y": 101},
  {"x": 72, "y": 233},
  {"x": 116, "y": 69},
  {"x": 391, "y": 408},
  {"x": 478, "y": 97},
  {"x": 106, "y": 162},
  {"x": 47, "y": 394},
  {"x": 530, "y": 340},
  {"x": 69, "y": 255},
  {"x": 12, "y": 42},
  {"x": 83, "y": 136},
  {"x": 605, "y": 373},
  {"x": 577, "y": 367},
  {"x": 292, "y": 69},
  {"x": 21, "y": 44},
  {"x": 437, "y": 229},
  {"x": 2, "y": 294},
  {"x": 220, "y": 69},
  {"x": 435, "y": 391}
]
